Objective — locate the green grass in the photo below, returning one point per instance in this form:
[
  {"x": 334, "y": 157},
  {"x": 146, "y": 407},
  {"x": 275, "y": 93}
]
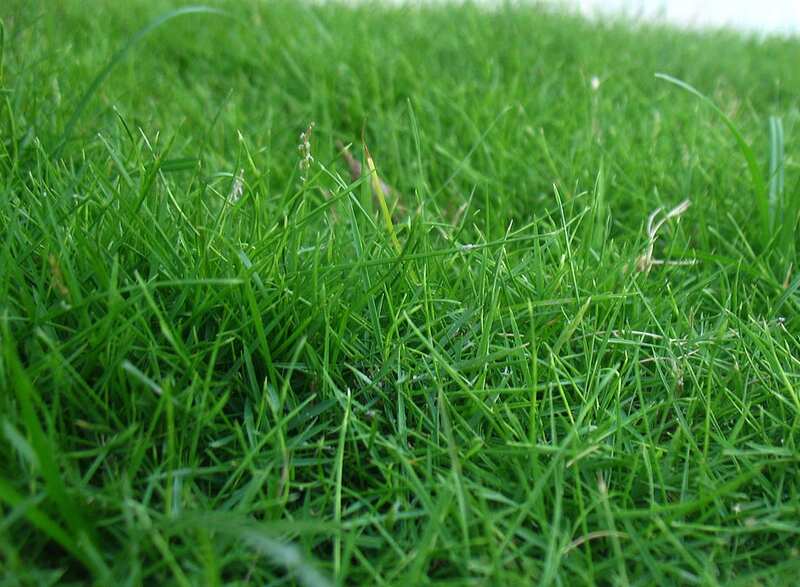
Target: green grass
[{"x": 219, "y": 367}]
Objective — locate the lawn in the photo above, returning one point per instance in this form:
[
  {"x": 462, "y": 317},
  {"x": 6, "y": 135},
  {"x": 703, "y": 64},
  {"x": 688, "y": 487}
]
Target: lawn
[{"x": 536, "y": 325}]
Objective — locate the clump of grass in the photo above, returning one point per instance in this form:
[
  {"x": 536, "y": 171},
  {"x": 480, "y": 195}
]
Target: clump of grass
[
  {"x": 776, "y": 212},
  {"x": 219, "y": 366}
]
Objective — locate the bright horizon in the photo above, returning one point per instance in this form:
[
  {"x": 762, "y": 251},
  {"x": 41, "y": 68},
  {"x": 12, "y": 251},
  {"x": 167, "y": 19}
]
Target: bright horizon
[
  {"x": 765, "y": 16},
  {"x": 777, "y": 16}
]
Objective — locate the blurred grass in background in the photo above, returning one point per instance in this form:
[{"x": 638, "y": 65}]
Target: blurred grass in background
[{"x": 218, "y": 368}]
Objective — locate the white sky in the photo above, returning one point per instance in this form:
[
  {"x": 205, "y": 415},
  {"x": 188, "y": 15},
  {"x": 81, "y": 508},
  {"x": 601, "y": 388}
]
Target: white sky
[
  {"x": 781, "y": 16},
  {"x": 768, "y": 16}
]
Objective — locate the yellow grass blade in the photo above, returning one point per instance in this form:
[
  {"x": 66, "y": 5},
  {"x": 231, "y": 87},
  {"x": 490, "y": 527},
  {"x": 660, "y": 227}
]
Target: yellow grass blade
[{"x": 377, "y": 187}]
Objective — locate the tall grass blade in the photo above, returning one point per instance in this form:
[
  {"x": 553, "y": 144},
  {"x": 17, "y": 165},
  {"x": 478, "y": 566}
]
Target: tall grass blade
[
  {"x": 40, "y": 520},
  {"x": 756, "y": 175},
  {"x": 2, "y": 49},
  {"x": 783, "y": 209},
  {"x": 119, "y": 56},
  {"x": 377, "y": 187},
  {"x": 776, "y": 168},
  {"x": 82, "y": 533}
]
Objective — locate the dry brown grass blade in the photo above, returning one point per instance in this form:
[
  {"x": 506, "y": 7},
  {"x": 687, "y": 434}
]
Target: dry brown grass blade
[
  {"x": 353, "y": 164},
  {"x": 355, "y": 169},
  {"x": 57, "y": 277},
  {"x": 647, "y": 261}
]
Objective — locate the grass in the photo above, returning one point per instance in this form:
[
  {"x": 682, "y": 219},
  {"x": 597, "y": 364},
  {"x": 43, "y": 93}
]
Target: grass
[{"x": 504, "y": 369}]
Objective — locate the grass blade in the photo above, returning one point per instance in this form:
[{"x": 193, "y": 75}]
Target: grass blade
[
  {"x": 119, "y": 56},
  {"x": 756, "y": 175},
  {"x": 43, "y": 522},
  {"x": 45, "y": 453},
  {"x": 776, "y": 167},
  {"x": 377, "y": 187}
]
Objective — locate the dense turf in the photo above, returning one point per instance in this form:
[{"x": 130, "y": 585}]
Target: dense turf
[{"x": 222, "y": 365}]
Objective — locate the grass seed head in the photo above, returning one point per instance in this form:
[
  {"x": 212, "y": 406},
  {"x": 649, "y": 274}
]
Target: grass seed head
[
  {"x": 237, "y": 188},
  {"x": 304, "y": 147}
]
